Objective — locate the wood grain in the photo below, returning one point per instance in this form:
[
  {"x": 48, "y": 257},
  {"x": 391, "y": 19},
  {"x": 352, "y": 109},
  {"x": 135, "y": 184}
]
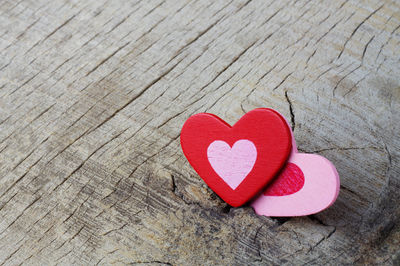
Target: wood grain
[{"x": 93, "y": 95}]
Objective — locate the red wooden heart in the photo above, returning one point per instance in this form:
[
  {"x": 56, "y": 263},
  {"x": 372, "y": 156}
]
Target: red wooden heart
[{"x": 237, "y": 162}]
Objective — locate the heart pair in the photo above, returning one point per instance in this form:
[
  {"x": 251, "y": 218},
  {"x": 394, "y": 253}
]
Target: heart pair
[{"x": 257, "y": 159}]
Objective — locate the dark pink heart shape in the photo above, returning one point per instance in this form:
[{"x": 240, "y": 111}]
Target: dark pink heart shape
[{"x": 289, "y": 181}]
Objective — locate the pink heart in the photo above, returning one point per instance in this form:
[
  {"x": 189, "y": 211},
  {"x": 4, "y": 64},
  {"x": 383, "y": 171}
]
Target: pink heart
[
  {"x": 232, "y": 164},
  {"x": 310, "y": 187},
  {"x": 319, "y": 191}
]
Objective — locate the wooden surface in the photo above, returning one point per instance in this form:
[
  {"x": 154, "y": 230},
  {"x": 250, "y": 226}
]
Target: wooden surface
[{"x": 93, "y": 95}]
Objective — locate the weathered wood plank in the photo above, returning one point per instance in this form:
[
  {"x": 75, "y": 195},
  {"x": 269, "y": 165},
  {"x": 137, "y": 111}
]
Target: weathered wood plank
[{"x": 93, "y": 96}]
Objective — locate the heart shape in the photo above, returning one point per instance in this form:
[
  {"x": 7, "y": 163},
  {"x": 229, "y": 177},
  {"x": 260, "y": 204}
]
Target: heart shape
[
  {"x": 265, "y": 128},
  {"x": 308, "y": 184},
  {"x": 232, "y": 164},
  {"x": 289, "y": 181}
]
